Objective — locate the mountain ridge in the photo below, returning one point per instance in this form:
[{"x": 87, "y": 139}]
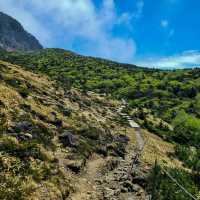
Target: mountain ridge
[{"x": 14, "y": 37}]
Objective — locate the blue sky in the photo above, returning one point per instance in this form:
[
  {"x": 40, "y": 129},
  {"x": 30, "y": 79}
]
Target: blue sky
[{"x": 153, "y": 33}]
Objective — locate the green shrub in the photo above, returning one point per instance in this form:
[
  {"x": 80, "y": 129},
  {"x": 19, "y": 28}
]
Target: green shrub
[
  {"x": 24, "y": 149},
  {"x": 163, "y": 188}
]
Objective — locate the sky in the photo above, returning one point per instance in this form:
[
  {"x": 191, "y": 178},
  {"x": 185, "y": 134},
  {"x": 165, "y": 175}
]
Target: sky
[{"x": 149, "y": 33}]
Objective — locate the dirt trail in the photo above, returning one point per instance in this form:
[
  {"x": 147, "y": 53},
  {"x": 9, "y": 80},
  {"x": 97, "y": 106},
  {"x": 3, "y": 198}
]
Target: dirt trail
[
  {"x": 114, "y": 184},
  {"x": 139, "y": 138},
  {"x": 134, "y": 125},
  {"x": 86, "y": 186}
]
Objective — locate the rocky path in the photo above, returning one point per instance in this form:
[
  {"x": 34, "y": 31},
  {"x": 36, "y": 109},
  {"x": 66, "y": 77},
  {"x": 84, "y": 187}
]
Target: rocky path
[
  {"x": 123, "y": 181},
  {"x": 86, "y": 187},
  {"x": 126, "y": 182},
  {"x": 134, "y": 125}
]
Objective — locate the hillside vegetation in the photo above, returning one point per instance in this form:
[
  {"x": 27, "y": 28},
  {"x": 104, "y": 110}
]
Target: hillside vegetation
[
  {"x": 153, "y": 93},
  {"x": 48, "y": 134},
  {"x": 166, "y": 103}
]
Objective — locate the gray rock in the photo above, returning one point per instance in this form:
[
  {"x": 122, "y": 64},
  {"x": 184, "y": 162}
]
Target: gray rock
[
  {"x": 28, "y": 136},
  {"x": 68, "y": 139},
  {"x": 23, "y": 126},
  {"x": 76, "y": 165},
  {"x": 122, "y": 138},
  {"x": 14, "y": 37}
]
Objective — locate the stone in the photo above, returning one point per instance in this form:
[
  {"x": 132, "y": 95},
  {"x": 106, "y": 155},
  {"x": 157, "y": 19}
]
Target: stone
[
  {"x": 23, "y": 126},
  {"x": 76, "y": 165},
  {"x": 28, "y": 136},
  {"x": 68, "y": 139},
  {"x": 122, "y": 138},
  {"x": 140, "y": 180}
]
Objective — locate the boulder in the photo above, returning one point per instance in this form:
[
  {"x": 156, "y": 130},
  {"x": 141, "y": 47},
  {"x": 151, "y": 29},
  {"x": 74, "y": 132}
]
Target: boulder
[
  {"x": 68, "y": 139},
  {"x": 140, "y": 180},
  {"x": 122, "y": 138},
  {"x": 76, "y": 165},
  {"x": 23, "y": 126}
]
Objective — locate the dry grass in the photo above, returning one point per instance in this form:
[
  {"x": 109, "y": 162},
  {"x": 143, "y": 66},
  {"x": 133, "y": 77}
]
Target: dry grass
[
  {"x": 9, "y": 96},
  {"x": 158, "y": 149}
]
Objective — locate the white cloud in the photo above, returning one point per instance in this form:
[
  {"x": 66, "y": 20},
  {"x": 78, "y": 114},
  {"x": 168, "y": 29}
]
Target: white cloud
[
  {"x": 168, "y": 30},
  {"x": 171, "y": 33},
  {"x": 187, "y": 59},
  {"x": 128, "y": 18},
  {"x": 164, "y": 23},
  {"x": 77, "y": 20},
  {"x": 140, "y": 7}
]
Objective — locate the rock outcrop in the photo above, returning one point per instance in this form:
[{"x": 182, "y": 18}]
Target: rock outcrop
[{"x": 13, "y": 37}]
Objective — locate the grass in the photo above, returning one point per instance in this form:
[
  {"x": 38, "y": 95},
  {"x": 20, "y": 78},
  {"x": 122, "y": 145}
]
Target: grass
[{"x": 160, "y": 150}]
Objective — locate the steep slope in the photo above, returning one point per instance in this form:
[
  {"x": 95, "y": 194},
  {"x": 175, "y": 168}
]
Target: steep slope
[
  {"x": 13, "y": 36},
  {"x": 48, "y": 134}
]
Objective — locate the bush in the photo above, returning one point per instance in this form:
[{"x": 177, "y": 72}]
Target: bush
[
  {"x": 163, "y": 188},
  {"x": 11, "y": 146},
  {"x": 187, "y": 129}
]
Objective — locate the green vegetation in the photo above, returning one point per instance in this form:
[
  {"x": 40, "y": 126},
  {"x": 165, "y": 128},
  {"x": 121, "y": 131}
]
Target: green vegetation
[
  {"x": 163, "y": 188},
  {"x": 165, "y": 102},
  {"x": 163, "y": 92}
]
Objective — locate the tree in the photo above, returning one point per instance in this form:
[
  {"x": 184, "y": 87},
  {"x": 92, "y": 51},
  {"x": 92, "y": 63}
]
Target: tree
[{"x": 187, "y": 129}]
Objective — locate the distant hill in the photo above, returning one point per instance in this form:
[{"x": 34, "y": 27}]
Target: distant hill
[{"x": 13, "y": 36}]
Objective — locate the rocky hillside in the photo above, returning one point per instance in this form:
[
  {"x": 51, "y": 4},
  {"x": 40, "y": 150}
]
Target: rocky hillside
[
  {"x": 49, "y": 134},
  {"x": 13, "y": 36}
]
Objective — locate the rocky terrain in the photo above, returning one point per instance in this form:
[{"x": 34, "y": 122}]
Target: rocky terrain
[{"x": 13, "y": 37}]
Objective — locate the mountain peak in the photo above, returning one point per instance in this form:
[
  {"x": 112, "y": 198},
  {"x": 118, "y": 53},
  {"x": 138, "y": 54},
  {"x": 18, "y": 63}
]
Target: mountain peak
[{"x": 14, "y": 37}]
